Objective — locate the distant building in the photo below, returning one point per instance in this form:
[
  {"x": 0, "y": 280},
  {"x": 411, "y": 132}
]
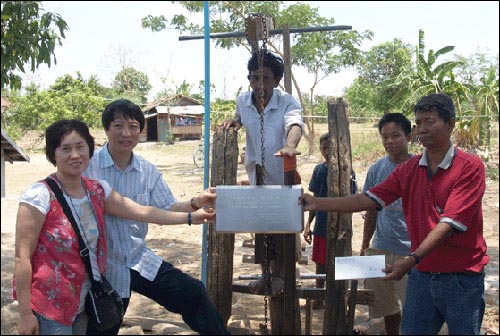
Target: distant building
[
  {"x": 174, "y": 117},
  {"x": 11, "y": 153}
]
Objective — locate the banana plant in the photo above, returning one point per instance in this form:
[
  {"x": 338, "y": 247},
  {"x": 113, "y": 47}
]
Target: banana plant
[{"x": 428, "y": 76}]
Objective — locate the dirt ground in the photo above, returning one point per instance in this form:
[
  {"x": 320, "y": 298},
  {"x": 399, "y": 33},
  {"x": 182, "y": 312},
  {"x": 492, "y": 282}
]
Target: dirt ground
[{"x": 181, "y": 245}]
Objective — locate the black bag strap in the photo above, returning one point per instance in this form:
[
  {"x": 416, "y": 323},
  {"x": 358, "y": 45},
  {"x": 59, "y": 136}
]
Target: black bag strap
[{"x": 84, "y": 251}]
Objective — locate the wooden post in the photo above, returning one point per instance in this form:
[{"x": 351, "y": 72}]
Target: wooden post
[
  {"x": 221, "y": 246},
  {"x": 289, "y": 302},
  {"x": 308, "y": 327},
  {"x": 351, "y": 311},
  {"x": 339, "y": 229},
  {"x": 285, "y": 309}
]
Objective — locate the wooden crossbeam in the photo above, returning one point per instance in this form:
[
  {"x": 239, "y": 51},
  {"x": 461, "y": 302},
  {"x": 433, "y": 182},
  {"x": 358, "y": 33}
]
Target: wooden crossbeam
[
  {"x": 250, "y": 243},
  {"x": 250, "y": 259},
  {"x": 364, "y": 296}
]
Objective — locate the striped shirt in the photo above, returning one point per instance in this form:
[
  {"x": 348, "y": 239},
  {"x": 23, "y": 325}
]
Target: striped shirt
[{"x": 126, "y": 239}]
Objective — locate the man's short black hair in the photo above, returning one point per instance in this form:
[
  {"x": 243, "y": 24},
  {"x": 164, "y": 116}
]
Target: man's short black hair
[
  {"x": 439, "y": 102},
  {"x": 397, "y": 118},
  {"x": 125, "y": 108},
  {"x": 269, "y": 60}
]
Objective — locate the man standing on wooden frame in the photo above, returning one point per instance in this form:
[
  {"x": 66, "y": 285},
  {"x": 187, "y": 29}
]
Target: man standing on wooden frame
[{"x": 273, "y": 122}]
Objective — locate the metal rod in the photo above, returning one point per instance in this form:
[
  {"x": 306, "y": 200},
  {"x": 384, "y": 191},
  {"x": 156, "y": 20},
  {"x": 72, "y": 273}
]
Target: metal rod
[
  {"x": 286, "y": 59},
  {"x": 206, "y": 152},
  {"x": 307, "y": 276},
  {"x": 241, "y": 33}
]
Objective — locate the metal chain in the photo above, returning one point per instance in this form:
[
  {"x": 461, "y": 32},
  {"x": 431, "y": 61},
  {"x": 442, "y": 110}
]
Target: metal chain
[
  {"x": 262, "y": 146},
  {"x": 259, "y": 98},
  {"x": 259, "y": 95},
  {"x": 263, "y": 49}
]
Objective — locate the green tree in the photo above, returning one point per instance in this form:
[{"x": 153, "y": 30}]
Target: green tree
[
  {"x": 67, "y": 98},
  {"x": 200, "y": 96},
  {"x": 132, "y": 84},
  {"x": 321, "y": 53},
  {"x": 184, "y": 89},
  {"x": 474, "y": 68},
  {"x": 36, "y": 109},
  {"x": 221, "y": 110},
  {"x": 361, "y": 96},
  {"x": 474, "y": 128},
  {"x": 487, "y": 104},
  {"x": 379, "y": 67},
  {"x": 27, "y": 38},
  {"x": 479, "y": 73},
  {"x": 83, "y": 99}
]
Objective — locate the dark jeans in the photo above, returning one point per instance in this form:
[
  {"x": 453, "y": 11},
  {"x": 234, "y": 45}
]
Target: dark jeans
[
  {"x": 433, "y": 299},
  {"x": 179, "y": 293}
]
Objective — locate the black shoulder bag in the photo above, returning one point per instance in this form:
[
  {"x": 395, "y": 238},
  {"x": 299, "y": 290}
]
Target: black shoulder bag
[{"x": 103, "y": 305}]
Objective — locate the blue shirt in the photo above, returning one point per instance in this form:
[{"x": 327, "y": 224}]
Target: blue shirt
[
  {"x": 142, "y": 182},
  {"x": 319, "y": 187},
  {"x": 391, "y": 233}
]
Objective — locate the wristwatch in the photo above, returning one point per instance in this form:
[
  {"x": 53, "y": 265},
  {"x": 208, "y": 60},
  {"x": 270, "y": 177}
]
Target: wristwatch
[{"x": 416, "y": 257}]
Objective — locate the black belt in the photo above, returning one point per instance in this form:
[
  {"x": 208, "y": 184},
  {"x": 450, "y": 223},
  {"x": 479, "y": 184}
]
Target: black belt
[{"x": 469, "y": 273}]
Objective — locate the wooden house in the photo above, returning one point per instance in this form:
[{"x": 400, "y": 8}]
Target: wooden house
[
  {"x": 10, "y": 152},
  {"x": 174, "y": 117}
]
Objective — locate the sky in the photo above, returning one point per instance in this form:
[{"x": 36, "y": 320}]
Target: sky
[{"x": 100, "y": 31}]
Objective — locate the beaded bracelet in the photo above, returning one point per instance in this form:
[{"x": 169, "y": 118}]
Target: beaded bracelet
[{"x": 190, "y": 219}]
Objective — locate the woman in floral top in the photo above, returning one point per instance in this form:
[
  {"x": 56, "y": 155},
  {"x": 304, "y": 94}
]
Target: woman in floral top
[{"x": 50, "y": 280}]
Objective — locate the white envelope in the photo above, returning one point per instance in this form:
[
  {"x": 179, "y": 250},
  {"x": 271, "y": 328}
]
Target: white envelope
[{"x": 359, "y": 267}]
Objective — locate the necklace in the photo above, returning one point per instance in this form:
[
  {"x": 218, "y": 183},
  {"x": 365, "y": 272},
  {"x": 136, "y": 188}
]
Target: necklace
[{"x": 76, "y": 213}]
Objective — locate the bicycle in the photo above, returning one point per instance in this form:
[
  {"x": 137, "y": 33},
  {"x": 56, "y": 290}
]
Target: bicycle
[{"x": 199, "y": 156}]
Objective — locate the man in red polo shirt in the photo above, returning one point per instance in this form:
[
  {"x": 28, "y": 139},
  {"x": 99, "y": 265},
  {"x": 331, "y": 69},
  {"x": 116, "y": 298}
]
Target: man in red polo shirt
[{"x": 442, "y": 192}]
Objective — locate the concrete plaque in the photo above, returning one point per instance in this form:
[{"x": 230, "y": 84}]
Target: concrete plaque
[{"x": 259, "y": 209}]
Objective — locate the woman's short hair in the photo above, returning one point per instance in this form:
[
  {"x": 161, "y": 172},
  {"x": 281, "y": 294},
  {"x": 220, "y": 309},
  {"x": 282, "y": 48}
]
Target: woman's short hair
[{"x": 56, "y": 131}]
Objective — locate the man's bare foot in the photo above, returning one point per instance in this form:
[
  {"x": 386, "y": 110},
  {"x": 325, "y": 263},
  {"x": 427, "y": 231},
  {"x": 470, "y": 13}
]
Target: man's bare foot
[
  {"x": 257, "y": 286},
  {"x": 277, "y": 286}
]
